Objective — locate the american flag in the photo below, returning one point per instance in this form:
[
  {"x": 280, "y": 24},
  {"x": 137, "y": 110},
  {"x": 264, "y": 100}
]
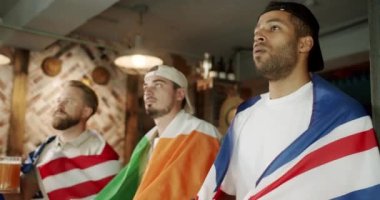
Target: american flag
[{"x": 74, "y": 176}]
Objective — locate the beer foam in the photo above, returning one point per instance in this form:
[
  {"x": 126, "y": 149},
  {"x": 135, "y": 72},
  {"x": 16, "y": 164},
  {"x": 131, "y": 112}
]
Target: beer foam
[{"x": 10, "y": 160}]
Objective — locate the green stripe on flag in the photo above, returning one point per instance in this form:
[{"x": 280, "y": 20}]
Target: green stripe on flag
[{"x": 125, "y": 183}]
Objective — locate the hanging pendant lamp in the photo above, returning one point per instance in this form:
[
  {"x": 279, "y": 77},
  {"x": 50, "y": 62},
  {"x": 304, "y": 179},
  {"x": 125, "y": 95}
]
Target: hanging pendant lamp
[
  {"x": 5, "y": 56},
  {"x": 137, "y": 60}
]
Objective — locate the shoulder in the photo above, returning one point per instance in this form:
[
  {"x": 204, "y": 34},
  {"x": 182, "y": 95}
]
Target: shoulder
[
  {"x": 328, "y": 96},
  {"x": 95, "y": 135},
  {"x": 99, "y": 146},
  {"x": 246, "y": 107},
  {"x": 95, "y": 138},
  {"x": 248, "y": 103},
  {"x": 201, "y": 125},
  {"x": 48, "y": 143}
]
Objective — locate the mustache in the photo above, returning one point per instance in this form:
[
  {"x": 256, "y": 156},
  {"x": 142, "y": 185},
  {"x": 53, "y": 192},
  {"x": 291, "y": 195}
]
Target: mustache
[
  {"x": 150, "y": 98},
  {"x": 60, "y": 111}
]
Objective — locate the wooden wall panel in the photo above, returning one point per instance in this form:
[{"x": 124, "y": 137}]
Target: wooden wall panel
[{"x": 18, "y": 105}]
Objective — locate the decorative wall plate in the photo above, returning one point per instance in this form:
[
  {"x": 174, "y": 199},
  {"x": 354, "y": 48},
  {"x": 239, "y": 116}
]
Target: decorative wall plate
[
  {"x": 51, "y": 66},
  {"x": 100, "y": 75}
]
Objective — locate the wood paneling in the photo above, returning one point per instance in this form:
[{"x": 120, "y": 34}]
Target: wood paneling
[{"x": 18, "y": 106}]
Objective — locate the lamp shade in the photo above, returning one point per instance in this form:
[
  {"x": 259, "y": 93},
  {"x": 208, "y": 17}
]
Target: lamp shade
[
  {"x": 4, "y": 59},
  {"x": 5, "y": 56},
  {"x": 137, "y": 60}
]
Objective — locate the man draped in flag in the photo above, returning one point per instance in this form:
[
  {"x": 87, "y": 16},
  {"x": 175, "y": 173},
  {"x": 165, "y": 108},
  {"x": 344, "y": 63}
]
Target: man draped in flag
[
  {"x": 173, "y": 158},
  {"x": 304, "y": 139},
  {"x": 76, "y": 163}
]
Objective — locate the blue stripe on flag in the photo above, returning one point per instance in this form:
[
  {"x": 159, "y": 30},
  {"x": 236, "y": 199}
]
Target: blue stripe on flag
[
  {"x": 28, "y": 164},
  {"x": 247, "y": 104},
  {"x": 223, "y": 159},
  {"x": 369, "y": 193}
]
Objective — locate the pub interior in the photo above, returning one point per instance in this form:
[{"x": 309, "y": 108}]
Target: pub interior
[{"x": 49, "y": 42}]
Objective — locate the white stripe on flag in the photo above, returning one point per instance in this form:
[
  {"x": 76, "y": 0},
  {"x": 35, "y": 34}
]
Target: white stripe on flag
[
  {"x": 190, "y": 125},
  {"x": 207, "y": 190},
  {"x": 76, "y": 176}
]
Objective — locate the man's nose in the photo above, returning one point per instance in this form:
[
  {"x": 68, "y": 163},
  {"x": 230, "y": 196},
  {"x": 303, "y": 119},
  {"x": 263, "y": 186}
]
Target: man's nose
[
  {"x": 61, "y": 103},
  {"x": 147, "y": 90},
  {"x": 258, "y": 36}
]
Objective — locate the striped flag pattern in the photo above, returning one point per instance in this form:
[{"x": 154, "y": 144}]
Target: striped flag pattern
[
  {"x": 337, "y": 157},
  {"x": 74, "y": 176}
]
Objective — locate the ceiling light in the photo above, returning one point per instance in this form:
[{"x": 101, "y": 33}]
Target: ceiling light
[
  {"x": 4, "y": 60},
  {"x": 5, "y": 56},
  {"x": 138, "y": 60}
]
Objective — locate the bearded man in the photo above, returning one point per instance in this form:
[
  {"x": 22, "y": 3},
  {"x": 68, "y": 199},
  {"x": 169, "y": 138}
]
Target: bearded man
[
  {"x": 76, "y": 163},
  {"x": 303, "y": 139}
]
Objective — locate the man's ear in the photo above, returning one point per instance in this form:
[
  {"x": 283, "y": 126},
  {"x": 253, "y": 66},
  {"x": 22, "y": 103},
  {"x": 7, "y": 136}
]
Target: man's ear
[
  {"x": 180, "y": 94},
  {"x": 87, "y": 112},
  {"x": 305, "y": 44}
]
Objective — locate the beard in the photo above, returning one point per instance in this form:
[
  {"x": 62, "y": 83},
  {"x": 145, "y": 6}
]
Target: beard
[
  {"x": 64, "y": 123},
  {"x": 155, "y": 113},
  {"x": 280, "y": 64}
]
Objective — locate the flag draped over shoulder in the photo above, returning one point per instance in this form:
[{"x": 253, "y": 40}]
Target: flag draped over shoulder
[
  {"x": 74, "y": 175},
  {"x": 125, "y": 184},
  {"x": 177, "y": 166},
  {"x": 337, "y": 157}
]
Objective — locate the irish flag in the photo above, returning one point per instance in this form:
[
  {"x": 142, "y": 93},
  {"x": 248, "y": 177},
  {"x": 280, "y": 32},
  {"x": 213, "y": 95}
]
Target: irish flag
[{"x": 172, "y": 166}]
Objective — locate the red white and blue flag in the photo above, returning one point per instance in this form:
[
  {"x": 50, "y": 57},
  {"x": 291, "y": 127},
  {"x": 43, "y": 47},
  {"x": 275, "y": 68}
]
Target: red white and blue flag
[
  {"x": 74, "y": 176},
  {"x": 337, "y": 157}
]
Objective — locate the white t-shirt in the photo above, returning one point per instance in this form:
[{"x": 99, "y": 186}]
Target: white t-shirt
[{"x": 262, "y": 132}]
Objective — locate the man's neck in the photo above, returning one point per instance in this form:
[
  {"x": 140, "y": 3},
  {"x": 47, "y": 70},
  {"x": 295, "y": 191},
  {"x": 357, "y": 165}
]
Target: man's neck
[
  {"x": 71, "y": 133},
  {"x": 163, "y": 121},
  {"x": 288, "y": 85}
]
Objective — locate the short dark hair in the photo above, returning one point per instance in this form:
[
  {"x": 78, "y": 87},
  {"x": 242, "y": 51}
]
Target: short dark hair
[
  {"x": 176, "y": 86},
  {"x": 306, "y": 24},
  {"x": 89, "y": 95},
  {"x": 302, "y": 29}
]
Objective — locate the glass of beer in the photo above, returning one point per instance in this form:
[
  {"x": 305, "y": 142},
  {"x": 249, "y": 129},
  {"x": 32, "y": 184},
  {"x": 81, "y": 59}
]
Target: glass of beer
[{"x": 10, "y": 174}]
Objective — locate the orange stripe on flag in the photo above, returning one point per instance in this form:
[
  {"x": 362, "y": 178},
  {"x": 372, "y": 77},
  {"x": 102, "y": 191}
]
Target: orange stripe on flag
[{"x": 178, "y": 167}]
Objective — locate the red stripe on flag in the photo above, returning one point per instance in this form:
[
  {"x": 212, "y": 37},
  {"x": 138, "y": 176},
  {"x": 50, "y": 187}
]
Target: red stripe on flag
[
  {"x": 335, "y": 150},
  {"x": 81, "y": 190},
  {"x": 63, "y": 164},
  {"x": 221, "y": 195}
]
